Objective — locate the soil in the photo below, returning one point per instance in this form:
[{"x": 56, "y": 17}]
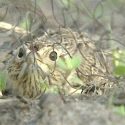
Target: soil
[{"x": 104, "y": 21}]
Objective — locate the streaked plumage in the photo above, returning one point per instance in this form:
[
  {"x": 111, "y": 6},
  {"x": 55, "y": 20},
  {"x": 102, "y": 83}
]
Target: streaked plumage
[{"x": 35, "y": 64}]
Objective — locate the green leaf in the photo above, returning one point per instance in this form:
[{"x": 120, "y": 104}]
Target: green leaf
[
  {"x": 61, "y": 63},
  {"x": 2, "y": 81},
  {"x": 119, "y": 62},
  {"x": 98, "y": 12},
  {"x": 67, "y": 2},
  {"x": 119, "y": 70},
  {"x": 69, "y": 63},
  {"x": 26, "y": 22},
  {"x": 49, "y": 88},
  {"x": 73, "y": 63},
  {"x": 120, "y": 110},
  {"x": 53, "y": 89}
]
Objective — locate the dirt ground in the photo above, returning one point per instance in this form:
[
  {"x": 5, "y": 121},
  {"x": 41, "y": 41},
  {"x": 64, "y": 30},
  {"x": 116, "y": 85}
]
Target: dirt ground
[{"x": 104, "y": 21}]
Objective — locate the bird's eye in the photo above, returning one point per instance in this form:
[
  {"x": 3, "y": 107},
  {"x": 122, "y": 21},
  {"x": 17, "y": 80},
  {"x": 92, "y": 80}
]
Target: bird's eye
[
  {"x": 21, "y": 53},
  {"x": 53, "y": 56}
]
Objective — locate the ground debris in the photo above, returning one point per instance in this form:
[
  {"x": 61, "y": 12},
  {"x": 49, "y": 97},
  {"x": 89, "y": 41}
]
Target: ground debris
[{"x": 51, "y": 109}]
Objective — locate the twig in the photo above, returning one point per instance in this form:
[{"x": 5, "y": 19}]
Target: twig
[{"x": 6, "y": 27}]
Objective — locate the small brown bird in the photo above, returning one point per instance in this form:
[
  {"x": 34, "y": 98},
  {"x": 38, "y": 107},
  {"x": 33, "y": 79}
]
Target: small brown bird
[{"x": 44, "y": 62}]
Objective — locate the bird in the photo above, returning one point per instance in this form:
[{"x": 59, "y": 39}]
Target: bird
[{"x": 47, "y": 61}]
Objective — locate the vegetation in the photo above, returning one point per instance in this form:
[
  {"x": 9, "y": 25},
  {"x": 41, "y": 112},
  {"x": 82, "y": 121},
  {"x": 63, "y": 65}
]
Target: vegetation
[
  {"x": 119, "y": 62},
  {"x": 2, "y": 81},
  {"x": 120, "y": 110},
  {"x": 103, "y": 20}
]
